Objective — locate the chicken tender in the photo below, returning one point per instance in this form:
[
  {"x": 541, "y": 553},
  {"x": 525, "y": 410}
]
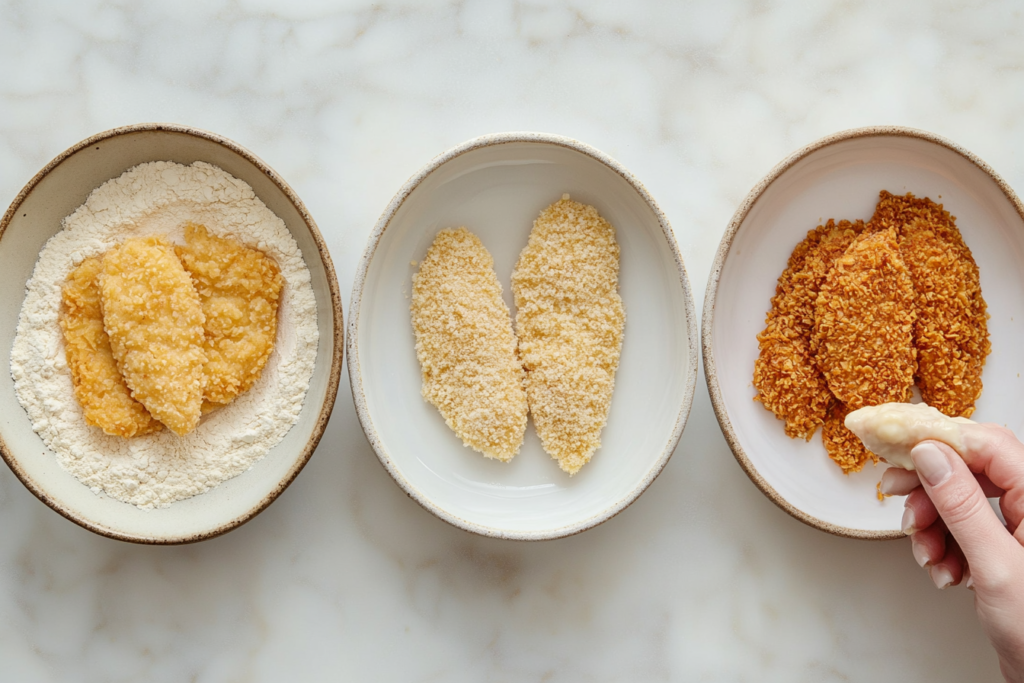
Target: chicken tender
[
  {"x": 570, "y": 321},
  {"x": 465, "y": 345},
  {"x": 842, "y": 445},
  {"x": 786, "y": 377},
  {"x": 893, "y": 429},
  {"x": 239, "y": 289},
  {"x": 154, "y": 319},
  {"x": 105, "y": 399},
  {"x": 864, "y": 321},
  {"x": 951, "y": 331}
]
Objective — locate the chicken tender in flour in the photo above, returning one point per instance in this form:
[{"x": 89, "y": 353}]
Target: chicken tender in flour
[
  {"x": 105, "y": 399},
  {"x": 570, "y": 321},
  {"x": 239, "y": 289},
  {"x": 465, "y": 345},
  {"x": 154, "y": 319}
]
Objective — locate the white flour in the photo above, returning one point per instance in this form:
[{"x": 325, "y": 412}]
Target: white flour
[{"x": 156, "y": 470}]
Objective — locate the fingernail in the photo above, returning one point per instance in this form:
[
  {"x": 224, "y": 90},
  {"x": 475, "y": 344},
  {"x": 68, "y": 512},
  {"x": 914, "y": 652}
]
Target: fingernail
[
  {"x": 885, "y": 487},
  {"x": 908, "y": 522},
  {"x": 969, "y": 584},
  {"x": 931, "y": 463},
  {"x": 920, "y": 554},
  {"x": 942, "y": 577}
]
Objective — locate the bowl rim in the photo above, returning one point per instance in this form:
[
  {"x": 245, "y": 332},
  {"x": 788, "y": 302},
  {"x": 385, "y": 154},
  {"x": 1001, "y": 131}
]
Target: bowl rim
[
  {"x": 708, "y": 315},
  {"x": 355, "y": 304},
  {"x": 39, "y": 491}
]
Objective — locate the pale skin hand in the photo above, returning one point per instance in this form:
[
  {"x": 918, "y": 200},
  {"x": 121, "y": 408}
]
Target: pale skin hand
[{"x": 958, "y": 538}]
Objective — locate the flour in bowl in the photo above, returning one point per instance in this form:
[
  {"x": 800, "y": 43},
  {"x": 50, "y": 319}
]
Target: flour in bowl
[{"x": 158, "y": 469}]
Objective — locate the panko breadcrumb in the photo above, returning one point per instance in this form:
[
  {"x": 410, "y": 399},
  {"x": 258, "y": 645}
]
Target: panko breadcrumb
[
  {"x": 842, "y": 445},
  {"x": 239, "y": 289},
  {"x": 786, "y": 377},
  {"x": 466, "y": 347},
  {"x": 105, "y": 399},
  {"x": 951, "y": 332},
  {"x": 570, "y": 322},
  {"x": 154, "y": 320}
]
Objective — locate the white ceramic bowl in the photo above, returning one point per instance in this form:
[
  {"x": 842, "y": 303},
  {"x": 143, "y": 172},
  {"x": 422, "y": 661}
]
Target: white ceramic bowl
[
  {"x": 840, "y": 177},
  {"x": 496, "y": 186},
  {"x": 36, "y": 214}
]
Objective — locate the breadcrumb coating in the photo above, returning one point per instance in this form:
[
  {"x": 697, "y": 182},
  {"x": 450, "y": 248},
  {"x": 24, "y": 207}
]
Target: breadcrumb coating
[
  {"x": 842, "y": 445},
  {"x": 105, "y": 399},
  {"x": 786, "y": 376},
  {"x": 154, "y": 320},
  {"x": 570, "y": 321},
  {"x": 239, "y": 289},
  {"x": 864, "y": 321},
  {"x": 951, "y": 331},
  {"x": 466, "y": 347}
]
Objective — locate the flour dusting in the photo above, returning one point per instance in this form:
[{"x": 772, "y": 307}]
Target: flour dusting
[{"x": 159, "y": 469}]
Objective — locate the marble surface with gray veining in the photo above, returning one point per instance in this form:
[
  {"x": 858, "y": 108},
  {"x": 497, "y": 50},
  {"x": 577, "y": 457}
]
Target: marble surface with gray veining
[{"x": 344, "y": 577}]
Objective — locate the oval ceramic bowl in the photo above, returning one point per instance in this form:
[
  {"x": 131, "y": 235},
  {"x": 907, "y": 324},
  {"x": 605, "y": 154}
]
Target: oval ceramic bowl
[
  {"x": 840, "y": 177},
  {"x": 36, "y": 214},
  {"x": 496, "y": 186}
]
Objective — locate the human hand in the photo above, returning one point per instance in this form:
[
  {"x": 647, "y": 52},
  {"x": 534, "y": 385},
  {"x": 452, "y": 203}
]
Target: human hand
[{"x": 958, "y": 537}]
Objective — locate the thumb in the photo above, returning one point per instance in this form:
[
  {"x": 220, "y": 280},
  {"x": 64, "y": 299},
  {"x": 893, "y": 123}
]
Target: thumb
[{"x": 961, "y": 503}]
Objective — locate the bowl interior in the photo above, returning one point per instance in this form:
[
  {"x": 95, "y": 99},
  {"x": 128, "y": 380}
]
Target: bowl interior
[
  {"x": 39, "y": 217},
  {"x": 841, "y": 181},
  {"x": 497, "y": 191}
]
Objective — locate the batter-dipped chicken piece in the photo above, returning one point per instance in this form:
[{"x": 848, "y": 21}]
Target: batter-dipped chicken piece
[
  {"x": 863, "y": 336},
  {"x": 786, "y": 377},
  {"x": 105, "y": 399},
  {"x": 570, "y": 321},
  {"x": 154, "y": 320},
  {"x": 239, "y": 289},
  {"x": 951, "y": 331},
  {"x": 465, "y": 345}
]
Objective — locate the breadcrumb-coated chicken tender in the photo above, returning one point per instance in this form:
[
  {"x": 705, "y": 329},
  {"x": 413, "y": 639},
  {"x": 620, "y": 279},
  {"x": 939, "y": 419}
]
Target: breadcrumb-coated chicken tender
[
  {"x": 570, "y": 321},
  {"x": 864, "y": 322},
  {"x": 465, "y": 345},
  {"x": 842, "y": 445},
  {"x": 951, "y": 331},
  {"x": 239, "y": 289},
  {"x": 786, "y": 376},
  {"x": 154, "y": 319},
  {"x": 105, "y": 399}
]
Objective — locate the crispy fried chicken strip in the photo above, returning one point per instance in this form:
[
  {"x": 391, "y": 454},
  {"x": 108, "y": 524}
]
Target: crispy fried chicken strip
[
  {"x": 105, "y": 399},
  {"x": 239, "y": 289},
  {"x": 465, "y": 345},
  {"x": 570, "y": 322},
  {"x": 951, "y": 331},
  {"x": 786, "y": 377},
  {"x": 842, "y": 445},
  {"x": 153, "y": 317}
]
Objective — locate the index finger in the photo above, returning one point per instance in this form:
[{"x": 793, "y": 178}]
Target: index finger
[{"x": 996, "y": 452}]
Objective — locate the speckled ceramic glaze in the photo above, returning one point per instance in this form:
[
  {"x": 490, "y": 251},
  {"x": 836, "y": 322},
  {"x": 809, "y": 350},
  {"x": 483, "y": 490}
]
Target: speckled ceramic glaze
[
  {"x": 840, "y": 177},
  {"x": 36, "y": 214},
  {"x": 496, "y": 186}
]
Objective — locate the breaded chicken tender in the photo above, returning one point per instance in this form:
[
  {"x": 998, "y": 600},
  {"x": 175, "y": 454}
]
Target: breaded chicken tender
[
  {"x": 465, "y": 345},
  {"x": 863, "y": 337},
  {"x": 154, "y": 319},
  {"x": 570, "y": 321},
  {"x": 786, "y": 377},
  {"x": 239, "y": 289},
  {"x": 864, "y": 321},
  {"x": 951, "y": 331},
  {"x": 105, "y": 399}
]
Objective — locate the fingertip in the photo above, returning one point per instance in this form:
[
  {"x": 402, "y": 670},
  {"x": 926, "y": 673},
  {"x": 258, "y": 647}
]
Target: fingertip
[{"x": 932, "y": 463}]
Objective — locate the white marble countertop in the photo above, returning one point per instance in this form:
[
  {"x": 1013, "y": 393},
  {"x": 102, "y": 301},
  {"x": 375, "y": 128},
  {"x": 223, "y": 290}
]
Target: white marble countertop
[{"x": 344, "y": 577}]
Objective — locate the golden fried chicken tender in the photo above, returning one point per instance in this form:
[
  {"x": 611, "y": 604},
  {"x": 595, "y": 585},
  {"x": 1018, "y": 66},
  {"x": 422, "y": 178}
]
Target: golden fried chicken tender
[
  {"x": 105, "y": 399},
  {"x": 786, "y": 376},
  {"x": 154, "y": 319},
  {"x": 951, "y": 331},
  {"x": 842, "y": 445},
  {"x": 570, "y": 321},
  {"x": 465, "y": 345},
  {"x": 239, "y": 289},
  {"x": 864, "y": 322}
]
